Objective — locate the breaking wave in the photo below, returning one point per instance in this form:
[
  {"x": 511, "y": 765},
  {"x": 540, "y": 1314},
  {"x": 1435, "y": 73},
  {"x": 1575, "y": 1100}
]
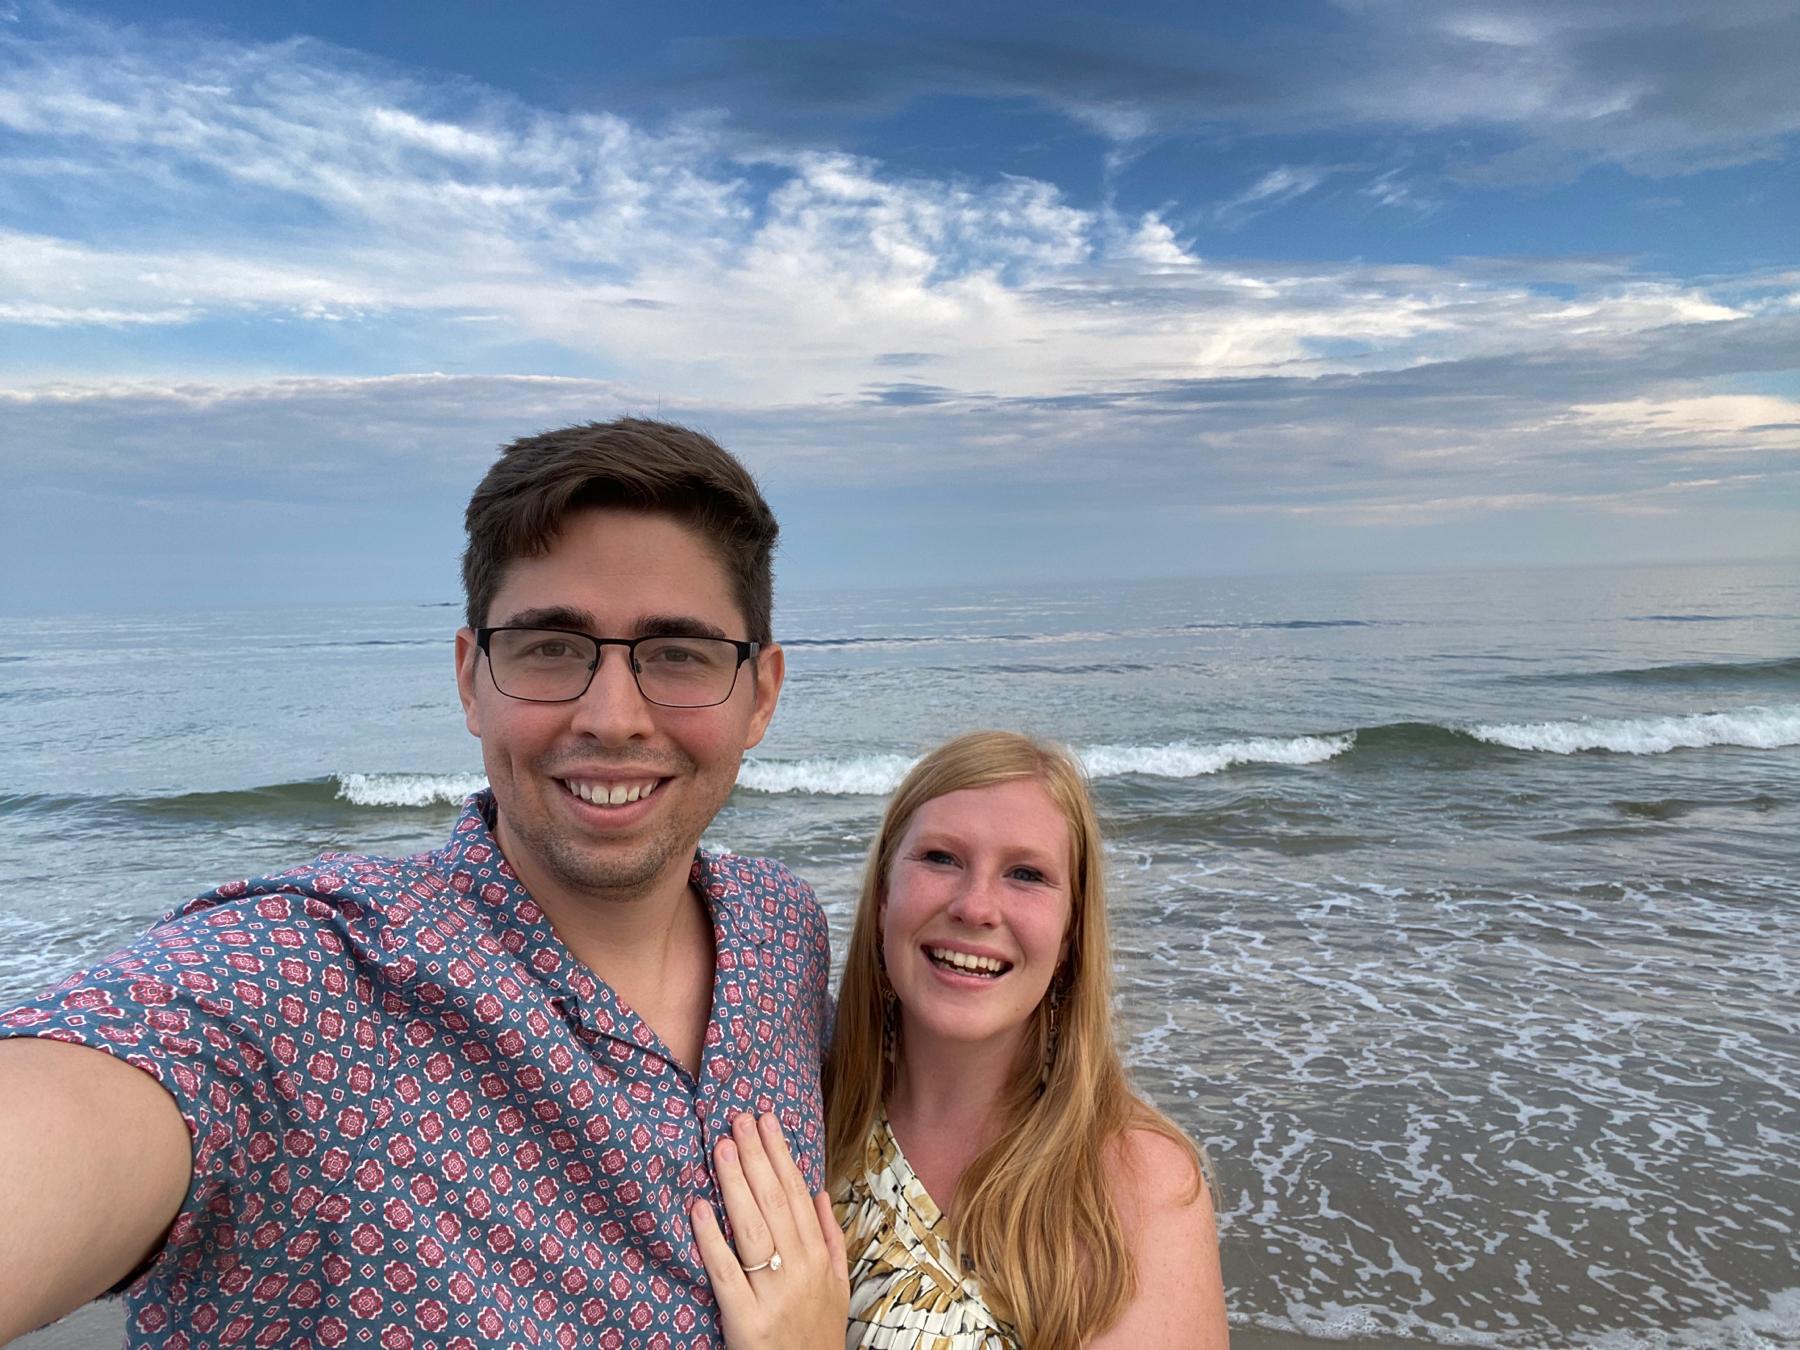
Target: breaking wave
[
  {"x": 1437, "y": 745},
  {"x": 878, "y": 775},
  {"x": 407, "y": 789},
  {"x": 1186, "y": 759},
  {"x": 855, "y": 776},
  {"x": 1751, "y": 728}
]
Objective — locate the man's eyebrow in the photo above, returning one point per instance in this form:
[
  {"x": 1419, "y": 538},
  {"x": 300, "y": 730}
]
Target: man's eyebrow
[
  {"x": 551, "y": 616},
  {"x": 677, "y": 625},
  {"x": 581, "y": 621}
]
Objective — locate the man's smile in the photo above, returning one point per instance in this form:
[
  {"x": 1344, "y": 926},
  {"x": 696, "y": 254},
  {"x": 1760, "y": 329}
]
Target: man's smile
[{"x": 599, "y": 792}]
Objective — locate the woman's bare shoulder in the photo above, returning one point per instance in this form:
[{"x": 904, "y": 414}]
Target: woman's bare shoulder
[
  {"x": 1150, "y": 1170},
  {"x": 1166, "y": 1207}
]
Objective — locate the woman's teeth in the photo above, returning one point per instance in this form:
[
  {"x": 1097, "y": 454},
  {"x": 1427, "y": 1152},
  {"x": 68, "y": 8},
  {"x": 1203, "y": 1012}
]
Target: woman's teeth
[
  {"x": 610, "y": 794},
  {"x": 966, "y": 964}
]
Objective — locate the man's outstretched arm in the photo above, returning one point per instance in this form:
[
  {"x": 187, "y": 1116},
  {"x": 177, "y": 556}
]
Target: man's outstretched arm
[{"x": 94, "y": 1164}]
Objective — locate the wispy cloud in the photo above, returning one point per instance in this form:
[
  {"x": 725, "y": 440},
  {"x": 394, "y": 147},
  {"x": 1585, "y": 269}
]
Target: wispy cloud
[
  {"x": 1658, "y": 88},
  {"x": 670, "y": 256},
  {"x": 1278, "y": 186},
  {"x": 211, "y": 208}
]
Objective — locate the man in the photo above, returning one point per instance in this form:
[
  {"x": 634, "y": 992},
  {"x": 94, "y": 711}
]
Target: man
[{"x": 465, "y": 1098}]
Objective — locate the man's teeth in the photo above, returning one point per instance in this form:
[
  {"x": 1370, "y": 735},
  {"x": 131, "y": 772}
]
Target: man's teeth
[
  {"x": 963, "y": 961},
  {"x": 613, "y": 794}
]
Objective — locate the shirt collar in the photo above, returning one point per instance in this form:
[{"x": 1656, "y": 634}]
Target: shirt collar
[{"x": 479, "y": 871}]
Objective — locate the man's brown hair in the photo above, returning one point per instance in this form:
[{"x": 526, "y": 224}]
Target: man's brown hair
[{"x": 635, "y": 464}]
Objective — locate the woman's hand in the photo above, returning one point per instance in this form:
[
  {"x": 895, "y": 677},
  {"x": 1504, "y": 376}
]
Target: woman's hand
[{"x": 801, "y": 1302}]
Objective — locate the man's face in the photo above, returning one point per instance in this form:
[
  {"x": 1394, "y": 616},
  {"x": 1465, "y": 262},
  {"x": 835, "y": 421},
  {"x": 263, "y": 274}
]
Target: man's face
[{"x": 613, "y": 573}]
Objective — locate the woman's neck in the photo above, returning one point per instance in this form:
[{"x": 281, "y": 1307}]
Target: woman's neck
[{"x": 945, "y": 1108}]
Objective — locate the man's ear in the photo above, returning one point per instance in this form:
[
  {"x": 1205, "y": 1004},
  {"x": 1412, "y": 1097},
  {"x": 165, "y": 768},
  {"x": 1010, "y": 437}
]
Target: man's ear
[
  {"x": 771, "y": 669},
  {"x": 468, "y": 658}
]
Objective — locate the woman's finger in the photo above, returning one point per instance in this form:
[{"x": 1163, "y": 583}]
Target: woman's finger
[
  {"x": 793, "y": 1185},
  {"x": 749, "y": 1227},
  {"x": 759, "y": 1173},
  {"x": 730, "y": 1286},
  {"x": 835, "y": 1259}
]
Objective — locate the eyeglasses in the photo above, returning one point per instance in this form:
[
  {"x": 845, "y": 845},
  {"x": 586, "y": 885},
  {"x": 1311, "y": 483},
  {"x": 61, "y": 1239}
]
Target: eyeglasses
[{"x": 555, "y": 665}]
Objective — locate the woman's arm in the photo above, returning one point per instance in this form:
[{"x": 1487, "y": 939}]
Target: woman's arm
[
  {"x": 803, "y": 1303},
  {"x": 1168, "y": 1217}
]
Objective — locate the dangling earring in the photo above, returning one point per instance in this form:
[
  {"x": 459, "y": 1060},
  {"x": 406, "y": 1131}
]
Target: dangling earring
[
  {"x": 1053, "y": 1032},
  {"x": 890, "y": 1030},
  {"x": 890, "y": 1015}
]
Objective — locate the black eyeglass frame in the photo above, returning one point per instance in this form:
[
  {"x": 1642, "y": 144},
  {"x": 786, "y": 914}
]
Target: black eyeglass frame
[{"x": 745, "y": 652}]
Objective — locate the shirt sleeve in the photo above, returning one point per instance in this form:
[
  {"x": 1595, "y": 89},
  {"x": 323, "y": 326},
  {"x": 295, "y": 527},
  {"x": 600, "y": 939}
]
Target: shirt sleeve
[{"x": 247, "y": 1010}]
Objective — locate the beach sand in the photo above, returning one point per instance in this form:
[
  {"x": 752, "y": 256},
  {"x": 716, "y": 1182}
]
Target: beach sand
[{"x": 101, "y": 1326}]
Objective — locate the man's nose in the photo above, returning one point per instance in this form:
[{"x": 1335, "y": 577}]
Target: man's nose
[{"x": 613, "y": 709}]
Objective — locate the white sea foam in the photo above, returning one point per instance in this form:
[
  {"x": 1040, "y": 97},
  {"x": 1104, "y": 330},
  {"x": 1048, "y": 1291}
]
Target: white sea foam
[
  {"x": 1755, "y": 727},
  {"x": 407, "y": 789},
  {"x": 858, "y": 776},
  {"x": 878, "y": 775},
  {"x": 1186, "y": 759},
  {"x": 1777, "y": 1325}
]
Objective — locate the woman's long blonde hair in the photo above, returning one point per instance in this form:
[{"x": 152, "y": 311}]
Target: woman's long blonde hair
[{"x": 1035, "y": 1215}]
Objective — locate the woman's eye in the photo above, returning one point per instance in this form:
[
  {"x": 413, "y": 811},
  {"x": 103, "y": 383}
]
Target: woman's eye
[
  {"x": 1030, "y": 874},
  {"x": 936, "y": 855}
]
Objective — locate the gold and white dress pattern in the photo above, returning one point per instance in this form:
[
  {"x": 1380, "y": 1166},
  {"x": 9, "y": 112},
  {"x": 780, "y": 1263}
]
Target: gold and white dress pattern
[{"x": 907, "y": 1290}]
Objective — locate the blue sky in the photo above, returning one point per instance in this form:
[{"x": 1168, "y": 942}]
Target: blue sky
[{"x": 991, "y": 292}]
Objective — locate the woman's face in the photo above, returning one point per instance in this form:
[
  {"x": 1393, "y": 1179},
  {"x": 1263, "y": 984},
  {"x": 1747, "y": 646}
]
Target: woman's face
[{"x": 976, "y": 917}]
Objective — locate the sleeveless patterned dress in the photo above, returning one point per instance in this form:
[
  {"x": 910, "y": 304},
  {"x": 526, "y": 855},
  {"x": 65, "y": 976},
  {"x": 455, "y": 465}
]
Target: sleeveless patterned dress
[{"x": 907, "y": 1291}]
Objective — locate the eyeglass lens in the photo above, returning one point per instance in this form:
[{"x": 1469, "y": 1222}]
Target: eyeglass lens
[{"x": 550, "y": 666}]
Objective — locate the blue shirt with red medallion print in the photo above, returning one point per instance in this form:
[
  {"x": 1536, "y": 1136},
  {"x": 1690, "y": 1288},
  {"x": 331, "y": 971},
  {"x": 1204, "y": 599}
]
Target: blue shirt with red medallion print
[{"x": 418, "y": 1121}]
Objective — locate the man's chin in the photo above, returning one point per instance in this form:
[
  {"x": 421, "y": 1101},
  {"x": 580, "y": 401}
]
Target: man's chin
[{"x": 608, "y": 875}]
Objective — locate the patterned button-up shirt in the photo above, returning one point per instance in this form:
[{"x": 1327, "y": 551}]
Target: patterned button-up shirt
[{"x": 417, "y": 1120}]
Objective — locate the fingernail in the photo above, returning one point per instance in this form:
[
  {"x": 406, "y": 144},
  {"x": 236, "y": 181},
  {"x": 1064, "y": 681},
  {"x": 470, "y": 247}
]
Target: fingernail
[{"x": 726, "y": 1152}]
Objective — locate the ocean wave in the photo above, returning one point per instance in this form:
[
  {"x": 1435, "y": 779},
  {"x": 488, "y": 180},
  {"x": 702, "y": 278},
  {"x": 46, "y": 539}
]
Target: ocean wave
[
  {"x": 1778, "y": 670},
  {"x": 918, "y": 639},
  {"x": 1294, "y": 625},
  {"x": 407, "y": 789},
  {"x": 852, "y": 776},
  {"x": 1751, "y": 728},
  {"x": 878, "y": 775},
  {"x": 1684, "y": 618},
  {"x": 1186, "y": 759}
]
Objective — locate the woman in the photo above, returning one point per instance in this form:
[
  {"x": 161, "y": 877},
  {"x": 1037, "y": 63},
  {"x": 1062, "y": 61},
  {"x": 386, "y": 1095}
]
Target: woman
[{"x": 999, "y": 1184}]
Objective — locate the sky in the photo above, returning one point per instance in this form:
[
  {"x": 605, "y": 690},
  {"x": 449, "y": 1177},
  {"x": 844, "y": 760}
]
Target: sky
[{"x": 982, "y": 293}]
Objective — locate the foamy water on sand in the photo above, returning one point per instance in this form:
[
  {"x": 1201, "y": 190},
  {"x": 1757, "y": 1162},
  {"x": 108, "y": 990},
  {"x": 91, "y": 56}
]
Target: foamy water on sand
[{"x": 1456, "y": 914}]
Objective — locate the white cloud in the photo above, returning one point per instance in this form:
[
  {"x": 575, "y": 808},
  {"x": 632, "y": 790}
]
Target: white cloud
[
  {"x": 1277, "y": 187},
  {"x": 776, "y": 295},
  {"x": 1658, "y": 87},
  {"x": 668, "y": 255},
  {"x": 1706, "y": 424}
]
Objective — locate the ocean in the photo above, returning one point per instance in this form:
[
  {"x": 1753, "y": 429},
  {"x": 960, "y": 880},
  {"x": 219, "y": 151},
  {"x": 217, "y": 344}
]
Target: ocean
[{"x": 1454, "y": 913}]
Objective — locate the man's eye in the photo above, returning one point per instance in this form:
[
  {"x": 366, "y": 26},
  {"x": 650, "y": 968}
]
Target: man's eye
[
  {"x": 676, "y": 654},
  {"x": 551, "y": 649}
]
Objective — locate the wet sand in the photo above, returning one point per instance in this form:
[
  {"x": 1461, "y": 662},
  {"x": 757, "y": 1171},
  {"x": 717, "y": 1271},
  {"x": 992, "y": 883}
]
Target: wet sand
[{"x": 99, "y": 1326}]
